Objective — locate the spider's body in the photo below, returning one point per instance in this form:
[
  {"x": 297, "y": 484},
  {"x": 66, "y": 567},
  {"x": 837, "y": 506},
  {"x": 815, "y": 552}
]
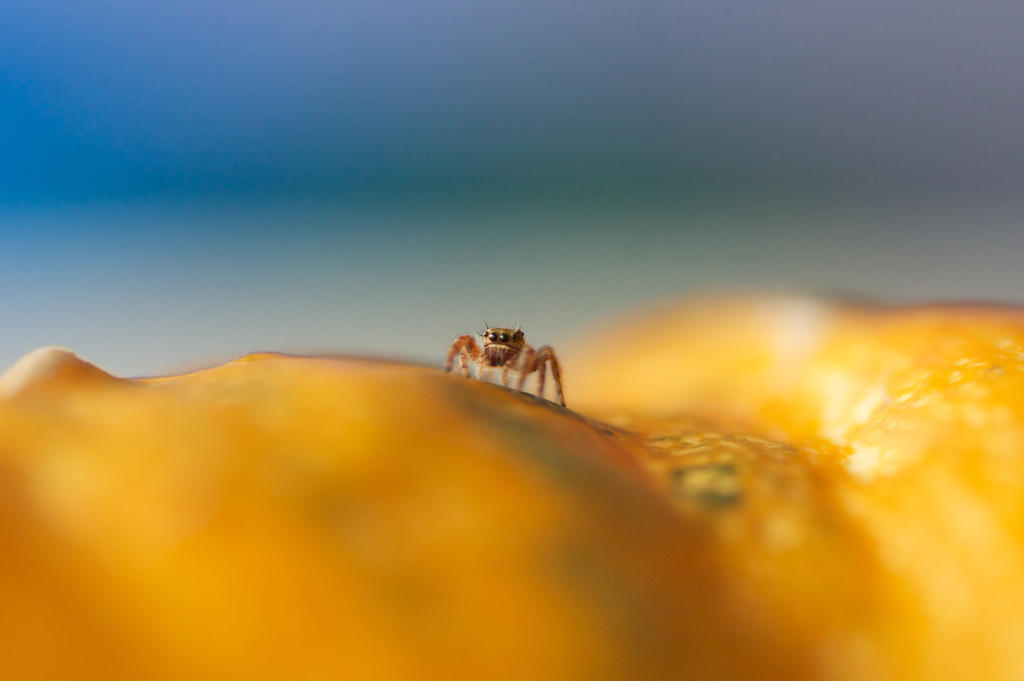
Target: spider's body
[
  {"x": 506, "y": 349},
  {"x": 503, "y": 347}
]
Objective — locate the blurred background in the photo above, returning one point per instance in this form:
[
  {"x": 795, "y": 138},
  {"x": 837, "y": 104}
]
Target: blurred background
[{"x": 183, "y": 182}]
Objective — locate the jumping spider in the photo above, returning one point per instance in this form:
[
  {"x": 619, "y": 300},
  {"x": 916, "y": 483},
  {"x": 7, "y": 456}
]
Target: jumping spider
[{"x": 508, "y": 349}]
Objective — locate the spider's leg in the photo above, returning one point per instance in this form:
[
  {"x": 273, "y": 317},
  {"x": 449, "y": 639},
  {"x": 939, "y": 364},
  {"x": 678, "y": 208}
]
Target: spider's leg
[
  {"x": 547, "y": 355},
  {"x": 463, "y": 346},
  {"x": 541, "y": 368},
  {"x": 526, "y": 367},
  {"x": 557, "y": 374},
  {"x": 463, "y": 364}
]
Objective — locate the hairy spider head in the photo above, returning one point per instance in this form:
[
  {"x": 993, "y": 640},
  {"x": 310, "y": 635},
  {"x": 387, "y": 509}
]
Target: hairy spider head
[{"x": 502, "y": 345}]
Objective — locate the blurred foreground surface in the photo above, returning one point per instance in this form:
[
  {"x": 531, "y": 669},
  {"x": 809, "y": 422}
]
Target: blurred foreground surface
[{"x": 771, "y": 488}]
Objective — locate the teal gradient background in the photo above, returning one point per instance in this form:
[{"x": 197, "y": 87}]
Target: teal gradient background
[{"x": 181, "y": 183}]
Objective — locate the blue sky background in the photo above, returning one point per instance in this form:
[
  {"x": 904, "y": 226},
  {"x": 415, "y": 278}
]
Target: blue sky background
[{"x": 182, "y": 182}]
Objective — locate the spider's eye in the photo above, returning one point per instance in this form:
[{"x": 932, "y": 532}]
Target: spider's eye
[
  {"x": 493, "y": 336},
  {"x": 504, "y": 337}
]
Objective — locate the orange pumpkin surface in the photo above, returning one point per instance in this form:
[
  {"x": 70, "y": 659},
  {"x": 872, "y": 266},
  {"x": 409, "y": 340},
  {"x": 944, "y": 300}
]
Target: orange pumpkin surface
[{"x": 769, "y": 489}]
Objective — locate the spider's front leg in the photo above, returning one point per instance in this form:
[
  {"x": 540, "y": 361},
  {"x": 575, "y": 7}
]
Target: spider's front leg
[
  {"x": 545, "y": 355},
  {"x": 463, "y": 346},
  {"x": 526, "y": 367}
]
